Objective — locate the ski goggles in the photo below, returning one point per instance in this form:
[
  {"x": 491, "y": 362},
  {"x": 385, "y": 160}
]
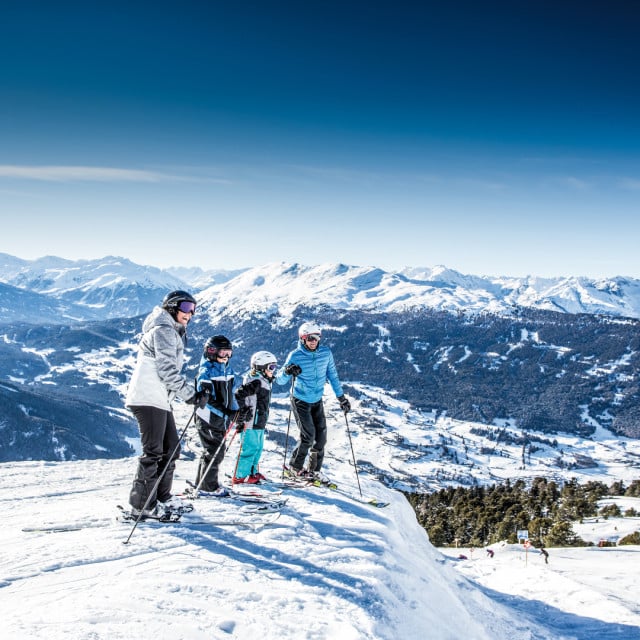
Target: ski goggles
[
  {"x": 312, "y": 337},
  {"x": 224, "y": 353},
  {"x": 271, "y": 367},
  {"x": 187, "y": 307}
]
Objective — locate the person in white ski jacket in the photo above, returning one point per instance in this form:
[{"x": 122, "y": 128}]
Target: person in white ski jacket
[{"x": 155, "y": 382}]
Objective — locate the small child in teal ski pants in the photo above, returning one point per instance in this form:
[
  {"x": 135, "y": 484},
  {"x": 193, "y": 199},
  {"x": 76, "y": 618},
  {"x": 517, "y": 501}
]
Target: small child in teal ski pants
[{"x": 254, "y": 397}]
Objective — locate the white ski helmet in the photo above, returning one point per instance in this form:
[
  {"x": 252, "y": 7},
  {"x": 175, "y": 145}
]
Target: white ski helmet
[
  {"x": 307, "y": 328},
  {"x": 260, "y": 359}
]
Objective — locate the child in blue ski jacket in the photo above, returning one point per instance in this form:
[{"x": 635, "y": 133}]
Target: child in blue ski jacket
[
  {"x": 311, "y": 364},
  {"x": 254, "y": 397},
  {"x": 217, "y": 380}
]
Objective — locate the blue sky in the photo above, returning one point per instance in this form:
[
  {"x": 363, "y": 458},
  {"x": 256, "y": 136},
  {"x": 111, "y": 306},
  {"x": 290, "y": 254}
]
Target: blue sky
[{"x": 496, "y": 138}]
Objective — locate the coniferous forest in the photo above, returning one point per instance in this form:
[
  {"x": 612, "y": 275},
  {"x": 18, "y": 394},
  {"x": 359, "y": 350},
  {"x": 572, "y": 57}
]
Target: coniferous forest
[{"x": 479, "y": 516}]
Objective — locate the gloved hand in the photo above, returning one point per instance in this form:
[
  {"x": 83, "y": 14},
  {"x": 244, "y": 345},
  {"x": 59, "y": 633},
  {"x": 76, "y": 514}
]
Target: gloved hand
[
  {"x": 292, "y": 370},
  {"x": 207, "y": 386},
  {"x": 239, "y": 427},
  {"x": 202, "y": 397},
  {"x": 345, "y": 405},
  {"x": 244, "y": 414}
]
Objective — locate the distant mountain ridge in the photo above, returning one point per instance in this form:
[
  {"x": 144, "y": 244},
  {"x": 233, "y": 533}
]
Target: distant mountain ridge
[
  {"x": 114, "y": 287},
  {"x": 286, "y": 286}
]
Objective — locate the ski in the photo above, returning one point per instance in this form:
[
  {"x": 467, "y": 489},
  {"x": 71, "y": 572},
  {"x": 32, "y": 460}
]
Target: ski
[
  {"x": 66, "y": 526},
  {"x": 374, "y": 502},
  {"x": 250, "y": 495},
  {"x": 257, "y": 503},
  {"x": 168, "y": 516},
  {"x": 293, "y": 481},
  {"x": 249, "y": 510},
  {"x": 254, "y": 521},
  {"x": 256, "y": 491}
]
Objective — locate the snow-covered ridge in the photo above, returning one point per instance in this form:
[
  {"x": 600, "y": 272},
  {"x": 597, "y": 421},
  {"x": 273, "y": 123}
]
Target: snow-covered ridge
[
  {"x": 116, "y": 287},
  {"x": 284, "y": 286},
  {"x": 52, "y": 275}
]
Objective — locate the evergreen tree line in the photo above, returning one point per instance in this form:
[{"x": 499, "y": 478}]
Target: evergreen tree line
[{"x": 479, "y": 516}]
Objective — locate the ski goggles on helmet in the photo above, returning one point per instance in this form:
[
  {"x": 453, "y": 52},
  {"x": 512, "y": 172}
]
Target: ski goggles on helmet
[
  {"x": 187, "y": 307},
  {"x": 271, "y": 367},
  {"x": 224, "y": 353},
  {"x": 313, "y": 337}
]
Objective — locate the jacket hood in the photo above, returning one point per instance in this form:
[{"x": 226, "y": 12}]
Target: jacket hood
[{"x": 159, "y": 317}]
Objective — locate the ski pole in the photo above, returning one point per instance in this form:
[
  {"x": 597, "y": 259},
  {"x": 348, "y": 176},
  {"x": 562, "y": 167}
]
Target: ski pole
[
  {"x": 355, "y": 466},
  {"x": 286, "y": 440},
  {"x": 215, "y": 455},
  {"x": 235, "y": 469},
  {"x": 157, "y": 483}
]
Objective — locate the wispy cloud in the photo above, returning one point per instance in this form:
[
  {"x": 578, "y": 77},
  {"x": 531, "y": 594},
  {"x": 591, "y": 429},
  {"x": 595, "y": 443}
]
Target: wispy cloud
[
  {"x": 91, "y": 174},
  {"x": 630, "y": 183},
  {"x": 574, "y": 183}
]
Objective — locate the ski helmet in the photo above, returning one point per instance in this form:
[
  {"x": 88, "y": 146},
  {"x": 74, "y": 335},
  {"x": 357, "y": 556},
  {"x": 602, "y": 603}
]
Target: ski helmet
[
  {"x": 215, "y": 343},
  {"x": 261, "y": 359},
  {"x": 173, "y": 300},
  {"x": 308, "y": 328}
]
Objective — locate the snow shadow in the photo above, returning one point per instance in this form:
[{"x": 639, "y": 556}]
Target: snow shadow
[{"x": 562, "y": 623}]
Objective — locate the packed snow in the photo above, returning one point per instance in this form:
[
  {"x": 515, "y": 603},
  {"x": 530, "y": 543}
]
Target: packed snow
[{"x": 326, "y": 566}]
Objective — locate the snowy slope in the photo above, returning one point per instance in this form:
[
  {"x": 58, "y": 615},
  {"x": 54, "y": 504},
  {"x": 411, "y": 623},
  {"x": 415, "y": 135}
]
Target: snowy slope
[
  {"x": 328, "y": 567},
  {"x": 588, "y": 593}
]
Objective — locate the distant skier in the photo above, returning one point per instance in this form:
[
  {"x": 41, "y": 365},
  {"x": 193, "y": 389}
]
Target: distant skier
[
  {"x": 217, "y": 379},
  {"x": 544, "y": 553},
  {"x": 155, "y": 382},
  {"x": 311, "y": 364},
  {"x": 490, "y": 553},
  {"x": 254, "y": 397}
]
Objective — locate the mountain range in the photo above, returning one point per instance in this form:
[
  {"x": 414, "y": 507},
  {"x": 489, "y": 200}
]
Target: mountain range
[
  {"x": 55, "y": 290},
  {"x": 518, "y": 377}
]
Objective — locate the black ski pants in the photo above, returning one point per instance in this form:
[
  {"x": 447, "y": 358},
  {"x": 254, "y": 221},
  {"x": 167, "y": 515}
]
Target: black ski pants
[
  {"x": 213, "y": 450},
  {"x": 159, "y": 438},
  {"x": 312, "y": 423}
]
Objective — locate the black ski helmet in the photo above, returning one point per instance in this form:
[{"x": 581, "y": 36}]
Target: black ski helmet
[
  {"x": 173, "y": 299},
  {"x": 213, "y": 344}
]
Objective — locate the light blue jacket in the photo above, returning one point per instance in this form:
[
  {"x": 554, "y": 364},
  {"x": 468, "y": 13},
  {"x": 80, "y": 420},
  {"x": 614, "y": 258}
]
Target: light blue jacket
[{"x": 318, "y": 368}]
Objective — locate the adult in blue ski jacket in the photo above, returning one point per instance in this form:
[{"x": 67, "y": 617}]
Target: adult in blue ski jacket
[
  {"x": 217, "y": 380},
  {"x": 312, "y": 365}
]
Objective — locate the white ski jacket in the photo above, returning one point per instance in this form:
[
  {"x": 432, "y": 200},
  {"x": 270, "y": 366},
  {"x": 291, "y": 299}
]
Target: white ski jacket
[{"x": 157, "y": 378}]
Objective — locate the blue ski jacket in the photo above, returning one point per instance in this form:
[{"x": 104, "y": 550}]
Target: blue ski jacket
[
  {"x": 318, "y": 368},
  {"x": 224, "y": 381}
]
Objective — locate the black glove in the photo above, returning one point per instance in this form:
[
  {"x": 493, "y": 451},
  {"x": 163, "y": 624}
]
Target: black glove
[
  {"x": 239, "y": 427},
  {"x": 202, "y": 397},
  {"x": 345, "y": 405},
  {"x": 244, "y": 414},
  {"x": 292, "y": 370}
]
